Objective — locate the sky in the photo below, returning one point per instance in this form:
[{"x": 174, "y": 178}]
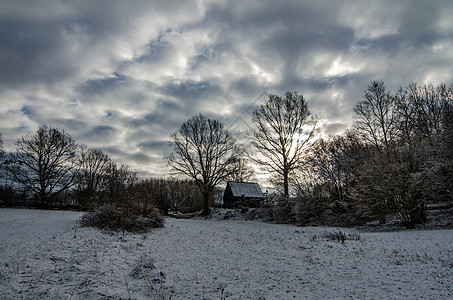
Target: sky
[{"x": 121, "y": 76}]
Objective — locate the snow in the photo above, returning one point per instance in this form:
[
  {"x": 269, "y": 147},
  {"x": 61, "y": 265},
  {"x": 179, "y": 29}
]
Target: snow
[{"x": 44, "y": 254}]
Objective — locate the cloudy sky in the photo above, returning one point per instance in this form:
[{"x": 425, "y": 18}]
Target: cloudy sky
[{"x": 121, "y": 76}]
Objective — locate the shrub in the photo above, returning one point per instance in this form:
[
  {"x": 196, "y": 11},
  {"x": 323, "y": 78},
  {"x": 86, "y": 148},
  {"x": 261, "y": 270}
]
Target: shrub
[
  {"x": 114, "y": 217},
  {"x": 309, "y": 209},
  {"x": 283, "y": 211}
]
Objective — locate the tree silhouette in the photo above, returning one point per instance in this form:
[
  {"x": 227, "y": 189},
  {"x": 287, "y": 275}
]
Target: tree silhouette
[
  {"x": 375, "y": 118},
  {"x": 45, "y": 163},
  {"x": 205, "y": 151},
  {"x": 283, "y": 132}
]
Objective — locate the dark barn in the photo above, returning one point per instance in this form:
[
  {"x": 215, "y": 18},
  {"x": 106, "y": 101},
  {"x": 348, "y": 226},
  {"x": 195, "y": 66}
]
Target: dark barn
[{"x": 237, "y": 194}]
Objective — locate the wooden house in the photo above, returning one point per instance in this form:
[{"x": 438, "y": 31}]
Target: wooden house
[{"x": 245, "y": 194}]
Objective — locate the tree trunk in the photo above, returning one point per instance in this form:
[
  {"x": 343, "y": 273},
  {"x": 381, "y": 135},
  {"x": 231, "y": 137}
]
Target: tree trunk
[
  {"x": 205, "y": 211},
  {"x": 285, "y": 183}
]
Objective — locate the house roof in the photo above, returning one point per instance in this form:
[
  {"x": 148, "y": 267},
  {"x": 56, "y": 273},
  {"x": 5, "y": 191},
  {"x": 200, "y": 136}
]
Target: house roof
[{"x": 246, "y": 189}]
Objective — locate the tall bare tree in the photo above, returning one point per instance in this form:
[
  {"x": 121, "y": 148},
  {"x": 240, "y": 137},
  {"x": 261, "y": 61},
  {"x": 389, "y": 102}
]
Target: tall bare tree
[
  {"x": 283, "y": 131},
  {"x": 411, "y": 167},
  {"x": 2, "y": 162},
  {"x": 332, "y": 161},
  {"x": 119, "y": 180},
  {"x": 94, "y": 167},
  {"x": 437, "y": 130},
  {"x": 45, "y": 163},
  {"x": 374, "y": 120},
  {"x": 1, "y": 145},
  {"x": 205, "y": 151}
]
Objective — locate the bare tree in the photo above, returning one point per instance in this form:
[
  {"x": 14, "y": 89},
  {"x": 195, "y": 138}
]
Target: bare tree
[
  {"x": 45, "y": 163},
  {"x": 374, "y": 120},
  {"x": 3, "y": 163},
  {"x": 411, "y": 165},
  {"x": 205, "y": 151},
  {"x": 331, "y": 161},
  {"x": 172, "y": 193},
  {"x": 118, "y": 182},
  {"x": 432, "y": 102},
  {"x": 1, "y": 145},
  {"x": 408, "y": 104},
  {"x": 94, "y": 166},
  {"x": 437, "y": 169},
  {"x": 282, "y": 134}
]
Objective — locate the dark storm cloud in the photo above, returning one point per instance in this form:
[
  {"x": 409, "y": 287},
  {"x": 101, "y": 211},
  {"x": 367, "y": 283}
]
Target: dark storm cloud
[
  {"x": 99, "y": 86},
  {"x": 48, "y": 41},
  {"x": 165, "y": 113},
  {"x": 156, "y": 51},
  {"x": 418, "y": 23},
  {"x": 102, "y": 133},
  {"x": 121, "y": 76},
  {"x": 72, "y": 125},
  {"x": 43, "y": 47},
  {"x": 267, "y": 14},
  {"x": 154, "y": 145},
  {"x": 113, "y": 151},
  {"x": 247, "y": 85},
  {"x": 296, "y": 38},
  {"x": 191, "y": 90},
  {"x": 29, "y": 52},
  {"x": 140, "y": 158},
  {"x": 286, "y": 29}
]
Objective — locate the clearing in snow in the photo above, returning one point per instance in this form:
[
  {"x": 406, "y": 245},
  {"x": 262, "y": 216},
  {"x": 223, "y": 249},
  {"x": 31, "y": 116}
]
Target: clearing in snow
[{"x": 44, "y": 254}]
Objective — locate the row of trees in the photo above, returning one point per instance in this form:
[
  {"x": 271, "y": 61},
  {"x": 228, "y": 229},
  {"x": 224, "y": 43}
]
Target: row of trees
[
  {"x": 52, "y": 169},
  {"x": 206, "y": 151},
  {"x": 395, "y": 160},
  {"x": 48, "y": 169}
]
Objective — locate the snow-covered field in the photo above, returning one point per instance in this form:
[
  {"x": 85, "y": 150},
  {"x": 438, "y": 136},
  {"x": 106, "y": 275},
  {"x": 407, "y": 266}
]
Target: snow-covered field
[{"x": 43, "y": 254}]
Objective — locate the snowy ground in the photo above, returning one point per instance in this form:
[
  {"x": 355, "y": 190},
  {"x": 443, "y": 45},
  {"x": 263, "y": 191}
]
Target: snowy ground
[{"x": 43, "y": 254}]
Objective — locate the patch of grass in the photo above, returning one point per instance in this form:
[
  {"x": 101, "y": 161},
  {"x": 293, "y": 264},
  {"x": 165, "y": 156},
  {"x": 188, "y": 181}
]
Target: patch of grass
[
  {"x": 338, "y": 236},
  {"x": 143, "y": 267},
  {"x": 154, "y": 281}
]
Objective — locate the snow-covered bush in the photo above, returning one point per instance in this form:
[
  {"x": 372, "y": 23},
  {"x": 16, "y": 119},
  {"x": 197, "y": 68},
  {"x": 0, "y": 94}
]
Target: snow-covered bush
[
  {"x": 283, "y": 211},
  {"x": 309, "y": 209},
  {"x": 114, "y": 217}
]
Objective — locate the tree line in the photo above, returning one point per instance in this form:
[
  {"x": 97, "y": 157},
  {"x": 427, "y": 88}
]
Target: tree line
[
  {"x": 394, "y": 161},
  {"x": 49, "y": 170}
]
